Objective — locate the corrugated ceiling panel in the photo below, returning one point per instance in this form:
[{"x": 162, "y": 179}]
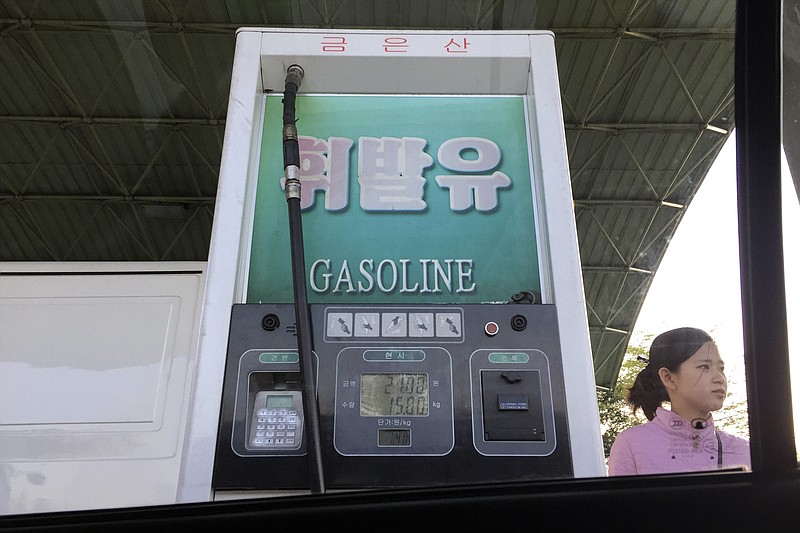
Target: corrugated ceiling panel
[
  {"x": 135, "y": 177},
  {"x": 29, "y": 79}
]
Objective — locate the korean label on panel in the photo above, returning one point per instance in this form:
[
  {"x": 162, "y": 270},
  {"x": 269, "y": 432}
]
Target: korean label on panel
[
  {"x": 334, "y": 43},
  {"x": 457, "y": 45},
  {"x": 395, "y": 45}
]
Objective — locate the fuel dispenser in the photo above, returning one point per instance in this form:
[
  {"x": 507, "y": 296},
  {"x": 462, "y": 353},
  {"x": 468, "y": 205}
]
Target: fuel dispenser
[
  {"x": 438, "y": 290},
  {"x": 396, "y": 409}
]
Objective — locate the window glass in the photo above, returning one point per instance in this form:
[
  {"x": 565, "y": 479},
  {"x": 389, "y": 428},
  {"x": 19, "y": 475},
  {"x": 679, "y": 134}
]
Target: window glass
[
  {"x": 691, "y": 290},
  {"x": 791, "y": 185},
  {"x": 125, "y": 164},
  {"x": 685, "y": 292}
]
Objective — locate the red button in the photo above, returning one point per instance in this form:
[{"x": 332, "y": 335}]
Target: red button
[{"x": 491, "y": 328}]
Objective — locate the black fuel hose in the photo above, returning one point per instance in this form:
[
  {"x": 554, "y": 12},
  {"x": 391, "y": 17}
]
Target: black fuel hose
[{"x": 305, "y": 341}]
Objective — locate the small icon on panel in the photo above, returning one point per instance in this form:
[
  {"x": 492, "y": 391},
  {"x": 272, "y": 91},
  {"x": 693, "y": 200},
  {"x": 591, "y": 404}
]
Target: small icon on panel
[
  {"x": 394, "y": 325},
  {"x": 420, "y": 325},
  {"x": 340, "y": 325},
  {"x": 366, "y": 325},
  {"x": 448, "y": 325}
]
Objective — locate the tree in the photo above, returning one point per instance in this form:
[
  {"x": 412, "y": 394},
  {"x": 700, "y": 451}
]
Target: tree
[{"x": 615, "y": 414}]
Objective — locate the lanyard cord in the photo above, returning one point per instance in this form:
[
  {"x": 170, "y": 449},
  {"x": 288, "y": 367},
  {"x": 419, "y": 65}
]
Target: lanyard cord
[{"x": 719, "y": 449}]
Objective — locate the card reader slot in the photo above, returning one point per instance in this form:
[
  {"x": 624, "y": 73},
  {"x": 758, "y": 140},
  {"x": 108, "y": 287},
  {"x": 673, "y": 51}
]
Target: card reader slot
[{"x": 512, "y": 406}]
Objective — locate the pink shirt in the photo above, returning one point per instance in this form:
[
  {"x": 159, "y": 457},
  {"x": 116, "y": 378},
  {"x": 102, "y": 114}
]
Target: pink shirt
[{"x": 668, "y": 443}]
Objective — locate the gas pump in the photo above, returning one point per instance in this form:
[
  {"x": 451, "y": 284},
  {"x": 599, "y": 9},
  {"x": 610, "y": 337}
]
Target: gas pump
[{"x": 436, "y": 331}]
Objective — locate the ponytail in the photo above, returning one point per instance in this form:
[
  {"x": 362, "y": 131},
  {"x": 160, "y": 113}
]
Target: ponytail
[{"x": 647, "y": 392}]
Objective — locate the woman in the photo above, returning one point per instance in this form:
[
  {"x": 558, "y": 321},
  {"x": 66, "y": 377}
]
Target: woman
[{"x": 686, "y": 370}]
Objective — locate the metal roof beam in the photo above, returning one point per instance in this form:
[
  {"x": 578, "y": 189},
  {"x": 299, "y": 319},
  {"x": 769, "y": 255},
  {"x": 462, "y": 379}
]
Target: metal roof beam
[
  {"x": 111, "y": 166},
  {"x": 643, "y": 127},
  {"x": 635, "y": 160},
  {"x": 640, "y": 290},
  {"x": 196, "y": 74},
  {"x": 214, "y": 170},
  {"x": 608, "y": 237},
  {"x": 152, "y": 163},
  {"x": 123, "y": 59},
  {"x": 180, "y": 233},
  {"x": 107, "y": 198},
  {"x": 634, "y": 32},
  {"x": 83, "y": 232},
  {"x": 636, "y": 10},
  {"x": 724, "y": 102},
  {"x": 671, "y": 224},
  {"x": 681, "y": 82},
  {"x": 622, "y": 80},
  {"x": 592, "y": 312},
  {"x": 616, "y": 270},
  {"x": 88, "y": 121},
  {"x": 62, "y": 83},
  {"x": 113, "y": 178},
  {"x": 47, "y": 75},
  {"x": 26, "y": 24},
  {"x": 621, "y": 337},
  {"x": 151, "y": 253},
  {"x": 174, "y": 76},
  {"x": 148, "y": 239},
  {"x": 608, "y": 356},
  {"x": 34, "y": 229},
  {"x": 587, "y": 160},
  {"x": 185, "y": 154},
  {"x": 626, "y": 202},
  {"x": 4, "y": 181},
  {"x": 608, "y": 127},
  {"x": 590, "y": 107},
  {"x": 713, "y": 151},
  {"x": 608, "y": 329},
  {"x": 39, "y": 162}
]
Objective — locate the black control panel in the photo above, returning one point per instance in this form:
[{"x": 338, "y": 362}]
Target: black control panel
[{"x": 408, "y": 396}]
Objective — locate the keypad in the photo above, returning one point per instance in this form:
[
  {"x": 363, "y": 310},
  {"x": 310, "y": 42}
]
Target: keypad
[{"x": 275, "y": 428}]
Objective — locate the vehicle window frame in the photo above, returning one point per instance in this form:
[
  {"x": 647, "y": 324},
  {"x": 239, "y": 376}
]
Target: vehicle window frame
[
  {"x": 758, "y": 156},
  {"x": 758, "y": 117}
]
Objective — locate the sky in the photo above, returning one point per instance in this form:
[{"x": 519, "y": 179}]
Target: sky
[{"x": 698, "y": 285}]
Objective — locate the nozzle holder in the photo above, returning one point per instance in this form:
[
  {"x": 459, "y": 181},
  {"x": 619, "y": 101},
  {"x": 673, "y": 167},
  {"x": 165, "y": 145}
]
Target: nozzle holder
[{"x": 294, "y": 74}]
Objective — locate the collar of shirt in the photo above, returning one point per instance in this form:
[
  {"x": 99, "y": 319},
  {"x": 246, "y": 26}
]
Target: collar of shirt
[{"x": 674, "y": 424}]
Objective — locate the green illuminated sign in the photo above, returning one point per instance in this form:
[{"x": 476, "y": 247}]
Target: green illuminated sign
[
  {"x": 278, "y": 357},
  {"x": 498, "y": 357},
  {"x": 406, "y": 199},
  {"x": 394, "y": 355}
]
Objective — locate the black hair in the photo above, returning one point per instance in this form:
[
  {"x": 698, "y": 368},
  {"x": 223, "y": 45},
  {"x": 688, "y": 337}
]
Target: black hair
[{"x": 668, "y": 350}]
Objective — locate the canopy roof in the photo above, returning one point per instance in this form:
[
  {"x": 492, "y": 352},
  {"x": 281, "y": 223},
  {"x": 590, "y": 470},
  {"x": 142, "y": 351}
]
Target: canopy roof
[{"x": 112, "y": 116}]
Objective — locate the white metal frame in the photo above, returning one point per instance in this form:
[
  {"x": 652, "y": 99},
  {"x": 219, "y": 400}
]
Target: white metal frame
[{"x": 521, "y": 63}]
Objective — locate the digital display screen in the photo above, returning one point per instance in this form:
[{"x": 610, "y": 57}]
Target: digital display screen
[
  {"x": 394, "y": 437},
  {"x": 394, "y": 394},
  {"x": 282, "y": 401}
]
